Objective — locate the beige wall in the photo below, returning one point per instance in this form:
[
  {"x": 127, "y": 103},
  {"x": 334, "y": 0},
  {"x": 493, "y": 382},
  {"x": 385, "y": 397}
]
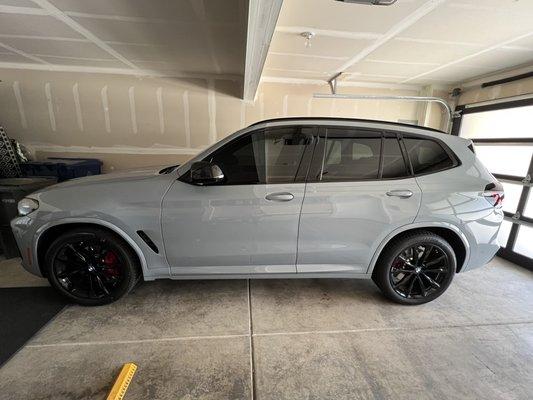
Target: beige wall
[
  {"x": 128, "y": 121},
  {"x": 478, "y": 94}
]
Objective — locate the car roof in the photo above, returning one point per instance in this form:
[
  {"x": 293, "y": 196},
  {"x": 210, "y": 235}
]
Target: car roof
[{"x": 325, "y": 119}]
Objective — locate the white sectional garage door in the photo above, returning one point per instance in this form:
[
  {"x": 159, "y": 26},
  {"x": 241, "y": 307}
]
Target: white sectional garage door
[{"x": 503, "y": 136}]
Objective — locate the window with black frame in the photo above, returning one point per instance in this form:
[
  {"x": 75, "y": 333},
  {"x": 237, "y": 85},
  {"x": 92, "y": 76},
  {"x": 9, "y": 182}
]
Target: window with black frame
[{"x": 503, "y": 138}]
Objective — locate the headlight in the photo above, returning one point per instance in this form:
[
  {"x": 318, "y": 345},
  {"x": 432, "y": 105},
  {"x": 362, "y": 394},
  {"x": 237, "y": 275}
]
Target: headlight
[{"x": 26, "y": 206}]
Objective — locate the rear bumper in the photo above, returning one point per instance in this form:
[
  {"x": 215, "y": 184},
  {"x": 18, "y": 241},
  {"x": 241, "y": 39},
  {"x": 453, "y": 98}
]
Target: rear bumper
[{"x": 483, "y": 237}]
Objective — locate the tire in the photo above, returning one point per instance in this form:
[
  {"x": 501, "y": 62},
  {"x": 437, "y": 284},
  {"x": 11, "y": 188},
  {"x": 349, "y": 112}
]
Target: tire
[
  {"x": 91, "y": 266},
  {"x": 415, "y": 268}
]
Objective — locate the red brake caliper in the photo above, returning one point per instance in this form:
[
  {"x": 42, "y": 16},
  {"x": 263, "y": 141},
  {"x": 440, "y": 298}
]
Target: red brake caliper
[{"x": 111, "y": 261}]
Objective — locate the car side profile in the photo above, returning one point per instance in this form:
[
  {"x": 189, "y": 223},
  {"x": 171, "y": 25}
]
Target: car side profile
[{"x": 288, "y": 198}]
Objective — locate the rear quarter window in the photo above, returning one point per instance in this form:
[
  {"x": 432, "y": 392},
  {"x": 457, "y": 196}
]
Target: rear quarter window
[{"x": 427, "y": 156}]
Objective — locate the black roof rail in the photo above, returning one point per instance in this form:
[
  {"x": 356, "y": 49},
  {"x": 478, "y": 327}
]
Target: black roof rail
[{"x": 345, "y": 119}]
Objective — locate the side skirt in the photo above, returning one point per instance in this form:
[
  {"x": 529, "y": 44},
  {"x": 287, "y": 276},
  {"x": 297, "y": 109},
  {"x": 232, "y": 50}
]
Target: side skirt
[{"x": 323, "y": 275}]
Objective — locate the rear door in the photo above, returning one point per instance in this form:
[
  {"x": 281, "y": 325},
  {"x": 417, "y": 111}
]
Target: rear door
[{"x": 360, "y": 188}]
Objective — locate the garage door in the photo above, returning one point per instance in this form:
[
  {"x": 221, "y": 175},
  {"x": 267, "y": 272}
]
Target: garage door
[{"x": 503, "y": 137}]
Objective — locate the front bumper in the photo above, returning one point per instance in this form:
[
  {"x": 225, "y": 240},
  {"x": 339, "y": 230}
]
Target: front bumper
[{"x": 24, "y": 231}]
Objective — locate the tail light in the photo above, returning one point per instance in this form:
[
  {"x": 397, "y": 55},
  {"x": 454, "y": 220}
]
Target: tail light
[{"x": 494, "y": 194}]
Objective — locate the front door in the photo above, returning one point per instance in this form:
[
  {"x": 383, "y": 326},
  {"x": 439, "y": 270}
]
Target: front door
[
  {"x": 249, "y": 222},
  {"x": 360, "y": 189}
]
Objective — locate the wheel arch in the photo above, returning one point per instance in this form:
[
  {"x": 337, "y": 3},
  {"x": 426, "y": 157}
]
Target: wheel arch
[
  {"x": 48, "y": 233},
  {"x": 449, "y": 232}
]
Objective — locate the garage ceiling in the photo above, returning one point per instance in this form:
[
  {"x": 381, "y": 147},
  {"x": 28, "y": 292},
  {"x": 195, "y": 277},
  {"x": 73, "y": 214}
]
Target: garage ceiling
[
  {"x": 411, "y": 42},
  {"x": 155, "y": 37}
]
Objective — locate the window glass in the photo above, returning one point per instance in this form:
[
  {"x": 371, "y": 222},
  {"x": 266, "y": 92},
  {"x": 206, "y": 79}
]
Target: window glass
[
  {"x": 528, "y": 211},
  {"x": 427, "y": 155},
  {"x": 512, "y": 196},
  {"x": 393, "y": 161},
  {"x": 505, "y": 123},
  {"x": 349, "y": 158},
  {"x": 503, "y": 233},
  {"x": 523, "y": 241},
  {"x": 505, "y": 160},
  {"x": 272, "y": 156}
]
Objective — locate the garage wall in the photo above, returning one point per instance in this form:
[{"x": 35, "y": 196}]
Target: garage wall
[
  {"x": 478, "y": 94},
  {"x": 129, "y": 122}
]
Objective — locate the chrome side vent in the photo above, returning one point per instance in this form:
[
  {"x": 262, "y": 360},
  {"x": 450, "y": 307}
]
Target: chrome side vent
[{"x": 148, "y": 241}]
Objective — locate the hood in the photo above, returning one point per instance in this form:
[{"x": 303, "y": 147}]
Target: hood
[{"x": 121, "y": 176}]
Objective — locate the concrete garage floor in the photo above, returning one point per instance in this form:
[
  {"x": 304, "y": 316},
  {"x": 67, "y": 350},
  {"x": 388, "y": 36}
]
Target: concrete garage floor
[{"x": 311, "y": 339}]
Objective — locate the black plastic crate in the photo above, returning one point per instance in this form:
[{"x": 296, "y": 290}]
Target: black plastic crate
[{"x": 63, "y": 168}]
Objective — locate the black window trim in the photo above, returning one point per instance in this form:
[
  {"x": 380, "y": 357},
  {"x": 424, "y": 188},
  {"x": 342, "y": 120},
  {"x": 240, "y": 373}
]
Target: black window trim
[
  {"x": 322, "y": 136},
  {"x": 456, "y": 162},
  {"x": 186, "y": 176}
]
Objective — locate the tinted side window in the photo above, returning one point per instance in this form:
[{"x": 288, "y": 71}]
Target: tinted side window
[
  {"x": 427, "y": 155},
  {"x": 393, "y": 161},
  {"x": 271, "y": 156},
  {"x": 350, "y": 158}
]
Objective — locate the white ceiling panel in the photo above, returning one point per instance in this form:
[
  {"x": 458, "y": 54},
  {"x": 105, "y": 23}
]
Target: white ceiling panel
[
  {"x": 499, "y": 59},
  {"x": 228, "y": 46},
  {"x": 40, "y": 25},
  {"x": 374, "y": 78},
  {"x": 18, "y": 3},
  {"x": 380, "y": 67},
  {"x": 86, "y": 62},
  {"x": 475, "y": 22},
  {"x": 146, "y": 52},
  {"x": 190, "y": 37},
  {"x": 57, "y": 48},
  {"x": 294, "y": 74},
  {"x": 411, "y": 38},
  {"x": 227, "y": 12},
  {"x": 456, "y": 73},
  {"x": 419, "y": 52},
  {"x": 320, "y": 45},
  {"x": 329, "y": 14},
  {"x": 526, "y": 43},
  {"x": 141, "y": 32},
  {"x": 12, "y": 58},
  {"x": 165, "y": 9},
  {"x": 301, "y": 63},
  {"x": 197, "y": 64}
]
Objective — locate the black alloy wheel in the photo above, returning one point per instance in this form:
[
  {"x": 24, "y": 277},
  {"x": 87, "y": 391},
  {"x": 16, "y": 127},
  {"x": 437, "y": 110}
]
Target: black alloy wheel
[
  {"x": 419, "y": 271},
  {"x": 415, "y": 268},
  {"x": 91, "y": 266}
]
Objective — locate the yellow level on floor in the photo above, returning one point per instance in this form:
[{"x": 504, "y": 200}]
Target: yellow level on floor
[{"x": 120, "y": 387}]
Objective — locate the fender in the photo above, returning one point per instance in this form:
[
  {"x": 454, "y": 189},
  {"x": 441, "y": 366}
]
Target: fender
[
  {"x": 93, "y": 221},
  {"x": 419, "y": 225}
]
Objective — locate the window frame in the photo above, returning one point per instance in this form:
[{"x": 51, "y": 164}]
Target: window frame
[
  {"x": 456, "y": 162},
  {"x": 301, "y": 173},
  {"x": 316, "y": 167}
]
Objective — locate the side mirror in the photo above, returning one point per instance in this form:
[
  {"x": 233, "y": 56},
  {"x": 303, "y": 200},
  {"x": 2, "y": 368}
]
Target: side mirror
[{"x": 206, "y": 173}]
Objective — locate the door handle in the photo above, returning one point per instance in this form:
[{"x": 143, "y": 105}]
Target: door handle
[
  {"x": 280, "y": 196},
  {"x": 403, "y": 194}
]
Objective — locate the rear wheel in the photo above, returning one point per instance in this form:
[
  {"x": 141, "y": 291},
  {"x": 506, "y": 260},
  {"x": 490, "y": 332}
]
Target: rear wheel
[
  {"x": 416, "y": 268},
  {"x": 91, "y": 266}
]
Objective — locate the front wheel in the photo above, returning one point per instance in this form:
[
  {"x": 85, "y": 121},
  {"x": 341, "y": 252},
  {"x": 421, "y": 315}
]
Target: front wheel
[
  {"x": 91, "y": 266},
  {"x": 416, "y": 268}
]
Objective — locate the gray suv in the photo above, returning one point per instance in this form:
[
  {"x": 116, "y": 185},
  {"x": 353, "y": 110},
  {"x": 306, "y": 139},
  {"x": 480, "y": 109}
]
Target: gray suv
[{"x": 288, "y": 198}]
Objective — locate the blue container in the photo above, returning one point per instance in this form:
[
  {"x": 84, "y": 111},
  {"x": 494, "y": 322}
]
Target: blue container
[{"x": 63, "y": 168}]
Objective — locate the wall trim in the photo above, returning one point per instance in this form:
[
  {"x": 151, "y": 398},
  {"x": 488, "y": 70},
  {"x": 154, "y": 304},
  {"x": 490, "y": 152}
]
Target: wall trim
[{"x": 35, "y": 147}]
